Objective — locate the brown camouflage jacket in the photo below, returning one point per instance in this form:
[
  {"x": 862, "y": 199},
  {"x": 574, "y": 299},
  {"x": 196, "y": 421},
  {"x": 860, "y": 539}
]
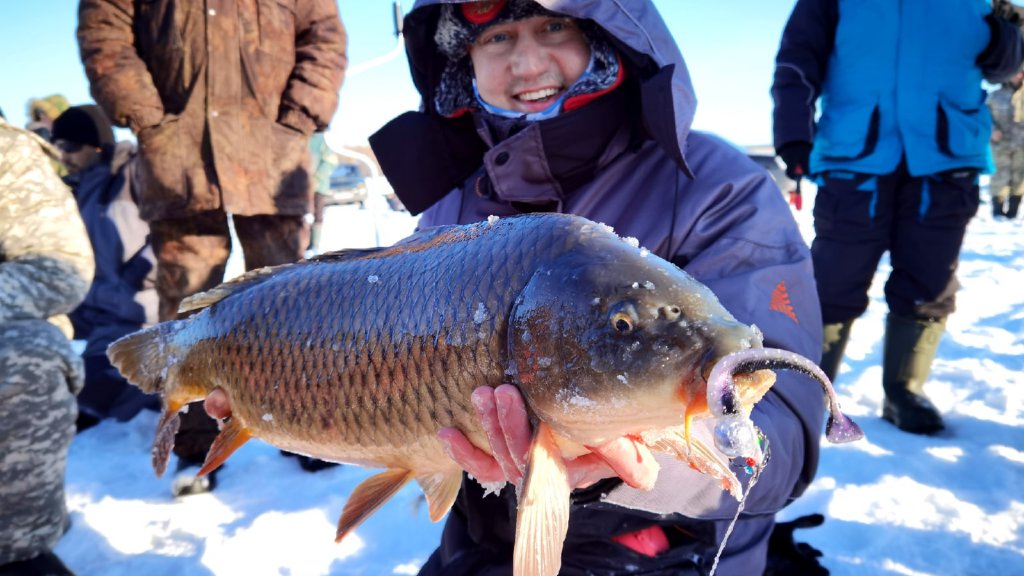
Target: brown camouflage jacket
[
  {"x": 46, "y": 260},
  {"x": 222, "y": 96}
]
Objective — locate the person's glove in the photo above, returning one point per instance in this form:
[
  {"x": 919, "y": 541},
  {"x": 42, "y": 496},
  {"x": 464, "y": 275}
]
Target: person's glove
[
  {"x": 1004, "y": 9},
  {"x": 1000, "y": 60},
  {"x": 786, "y": 557},
  {"x": 796, "y": 156}
]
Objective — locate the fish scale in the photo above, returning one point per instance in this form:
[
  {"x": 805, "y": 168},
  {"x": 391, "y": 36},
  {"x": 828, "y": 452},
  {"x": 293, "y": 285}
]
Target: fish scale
[{"x": 381, "y": 422}]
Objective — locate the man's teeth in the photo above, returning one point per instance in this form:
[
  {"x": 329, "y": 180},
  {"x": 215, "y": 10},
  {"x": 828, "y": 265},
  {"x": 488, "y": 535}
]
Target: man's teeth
[{"x": 538, "y": 94}]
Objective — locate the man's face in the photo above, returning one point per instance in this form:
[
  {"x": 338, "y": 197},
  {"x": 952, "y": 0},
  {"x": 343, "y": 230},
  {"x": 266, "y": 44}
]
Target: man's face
[
  {"x": 525, "y": 65},
  {"x": 76, "y": 156}
]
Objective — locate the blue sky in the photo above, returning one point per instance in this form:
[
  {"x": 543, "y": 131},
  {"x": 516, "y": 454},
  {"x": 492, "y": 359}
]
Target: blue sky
[{"x": 729, "y": 48}]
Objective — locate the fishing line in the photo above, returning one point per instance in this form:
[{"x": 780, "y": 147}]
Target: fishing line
[{"x": 754, "y": 469}]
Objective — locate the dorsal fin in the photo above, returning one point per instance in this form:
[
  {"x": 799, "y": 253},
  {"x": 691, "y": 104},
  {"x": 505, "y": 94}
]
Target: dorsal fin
[
  {"x": 346, "y": 254},
  {"x": 216, "y": 294},
  {"x": 212, "y": 296}
]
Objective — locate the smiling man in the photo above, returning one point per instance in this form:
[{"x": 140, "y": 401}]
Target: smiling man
[{"x": 587, "y": 110}]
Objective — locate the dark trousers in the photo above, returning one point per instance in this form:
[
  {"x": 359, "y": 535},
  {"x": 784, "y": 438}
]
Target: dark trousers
[
  {"x": 191, "y": 256},
  {"x": 920, "y": 220}
]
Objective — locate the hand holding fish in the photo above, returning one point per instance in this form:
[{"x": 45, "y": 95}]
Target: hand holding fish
[{"x": 503, "y": 416}]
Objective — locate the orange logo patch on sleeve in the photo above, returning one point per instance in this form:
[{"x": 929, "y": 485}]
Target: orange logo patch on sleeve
[{"x": 780, "y": 302}]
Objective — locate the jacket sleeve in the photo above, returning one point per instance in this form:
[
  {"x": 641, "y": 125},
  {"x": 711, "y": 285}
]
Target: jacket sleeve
[
  {"x": 800, "y": 67},
  {"x": 1002, "y": 58},
  {"x": 47, "y": 262},
  {"x": 744, "y": 244},
  {"x": 118, "y": 78},
  {"x": 309, "y": 101}
]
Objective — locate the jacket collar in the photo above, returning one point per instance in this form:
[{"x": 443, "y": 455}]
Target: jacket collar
[{"x": 542, "y": 163}]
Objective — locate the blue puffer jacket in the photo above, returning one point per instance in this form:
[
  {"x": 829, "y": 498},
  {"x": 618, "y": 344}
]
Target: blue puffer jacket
[
  {"x": 630, "y": 160},
  {"x": 895, "y": 78}
]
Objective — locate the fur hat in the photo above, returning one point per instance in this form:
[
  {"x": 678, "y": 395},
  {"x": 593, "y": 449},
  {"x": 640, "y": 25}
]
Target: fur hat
[
  {"x": 84, "y": 125},
  {"x": 461, "y": 24}
]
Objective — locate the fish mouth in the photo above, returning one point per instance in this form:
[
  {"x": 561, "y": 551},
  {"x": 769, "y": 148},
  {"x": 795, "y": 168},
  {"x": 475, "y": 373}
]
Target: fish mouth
[{"x": 752, "y": 382}]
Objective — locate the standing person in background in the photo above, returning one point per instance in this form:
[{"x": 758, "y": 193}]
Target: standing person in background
[
  {"x": 43, "y": 111},
  {"x": 587, "y": 110},
  {"x": 223, "y": 97},
  {"x": 45, "y": 268},
  {"x": 1007, "y": 184},
  {"x": 41, "y": 114},
  {"x": 325, "y": 161},
  {"x": 897, "y": 152},
  {"x": 122, "y": 298}
]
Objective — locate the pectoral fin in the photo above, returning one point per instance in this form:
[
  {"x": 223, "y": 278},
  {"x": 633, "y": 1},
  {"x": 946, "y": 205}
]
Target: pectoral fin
[
  {"x": 231, "y": 438},
  {"x": 692, "y": 450},
  {"x": 441, "y": 491},
  {"x": 370, "y": 495},
  {"x": 543, "y": 516}
]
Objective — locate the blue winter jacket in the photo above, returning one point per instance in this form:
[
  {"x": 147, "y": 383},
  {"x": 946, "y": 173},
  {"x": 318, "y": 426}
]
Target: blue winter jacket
[
  {"x": 630, "y": 160},
  {"x": 896, "y": 79},
  {"x": 123, "y": 293}
]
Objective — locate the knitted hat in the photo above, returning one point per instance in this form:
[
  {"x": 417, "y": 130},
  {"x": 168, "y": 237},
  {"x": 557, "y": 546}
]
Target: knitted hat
[
  {"x": 49, "y": 106},
  {"x": 461, "y": 24},
  {"x": 84, "y": 125}
]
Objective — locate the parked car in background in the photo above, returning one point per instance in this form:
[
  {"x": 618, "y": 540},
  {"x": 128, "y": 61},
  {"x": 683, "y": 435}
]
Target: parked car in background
[{"x": 348, "y": 186}]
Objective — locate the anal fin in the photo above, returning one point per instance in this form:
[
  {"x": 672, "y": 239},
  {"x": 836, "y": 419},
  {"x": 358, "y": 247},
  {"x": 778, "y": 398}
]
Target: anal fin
[
  {"x": 370, "y": 495},
  {"x": 231, "y": 438},
  {"x": 441, "y": 490},
  {"x": 163, "y": 442},
  {"x": 542, "y": 519}
]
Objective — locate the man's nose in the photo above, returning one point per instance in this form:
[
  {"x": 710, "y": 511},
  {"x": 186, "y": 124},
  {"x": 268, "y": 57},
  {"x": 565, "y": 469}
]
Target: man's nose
[{"x": 529, "y": 58}]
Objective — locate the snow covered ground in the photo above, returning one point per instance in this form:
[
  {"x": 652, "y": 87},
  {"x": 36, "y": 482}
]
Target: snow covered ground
[{"x": 895, "y": 503}]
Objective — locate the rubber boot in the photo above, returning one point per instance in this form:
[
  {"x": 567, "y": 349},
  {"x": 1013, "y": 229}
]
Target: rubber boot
[
  {"x": 1012, "y": 205},
  {"x": 315, "y": 232},
  {"x": 998, "y": 208},
  {"x": 835, "y": 337},
  {"x": 45, "y": 564},
  {"x": 910, "y": 346}
]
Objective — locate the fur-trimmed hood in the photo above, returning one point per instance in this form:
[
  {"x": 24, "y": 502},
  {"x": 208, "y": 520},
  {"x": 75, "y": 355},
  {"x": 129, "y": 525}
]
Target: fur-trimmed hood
[{"x": 634, "y": 28}]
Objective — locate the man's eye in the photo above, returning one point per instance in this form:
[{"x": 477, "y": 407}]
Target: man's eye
[
  {"x": 494, "y": 38},
  {"x": 559, "y": 25}
]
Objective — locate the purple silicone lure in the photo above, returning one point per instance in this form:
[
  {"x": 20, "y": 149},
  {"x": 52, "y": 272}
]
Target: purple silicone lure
[{"x": 734, "y": 434}]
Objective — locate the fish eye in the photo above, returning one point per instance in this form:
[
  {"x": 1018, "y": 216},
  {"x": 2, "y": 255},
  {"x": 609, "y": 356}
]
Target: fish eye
[
  {"x": 623, "y": 319},
  {"x": 622, "y": 322}
]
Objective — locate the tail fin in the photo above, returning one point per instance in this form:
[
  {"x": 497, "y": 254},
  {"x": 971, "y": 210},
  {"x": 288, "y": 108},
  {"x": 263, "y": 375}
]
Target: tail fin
[{"x": 142, "y": 357}]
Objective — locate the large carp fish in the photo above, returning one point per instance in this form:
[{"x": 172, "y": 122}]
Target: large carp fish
[{"x": 361, "y": 356}]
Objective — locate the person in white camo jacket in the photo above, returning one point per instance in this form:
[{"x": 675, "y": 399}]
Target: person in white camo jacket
[
  {"x": 1007, "y": 184},
  {"x": 46, "y": 266}
]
